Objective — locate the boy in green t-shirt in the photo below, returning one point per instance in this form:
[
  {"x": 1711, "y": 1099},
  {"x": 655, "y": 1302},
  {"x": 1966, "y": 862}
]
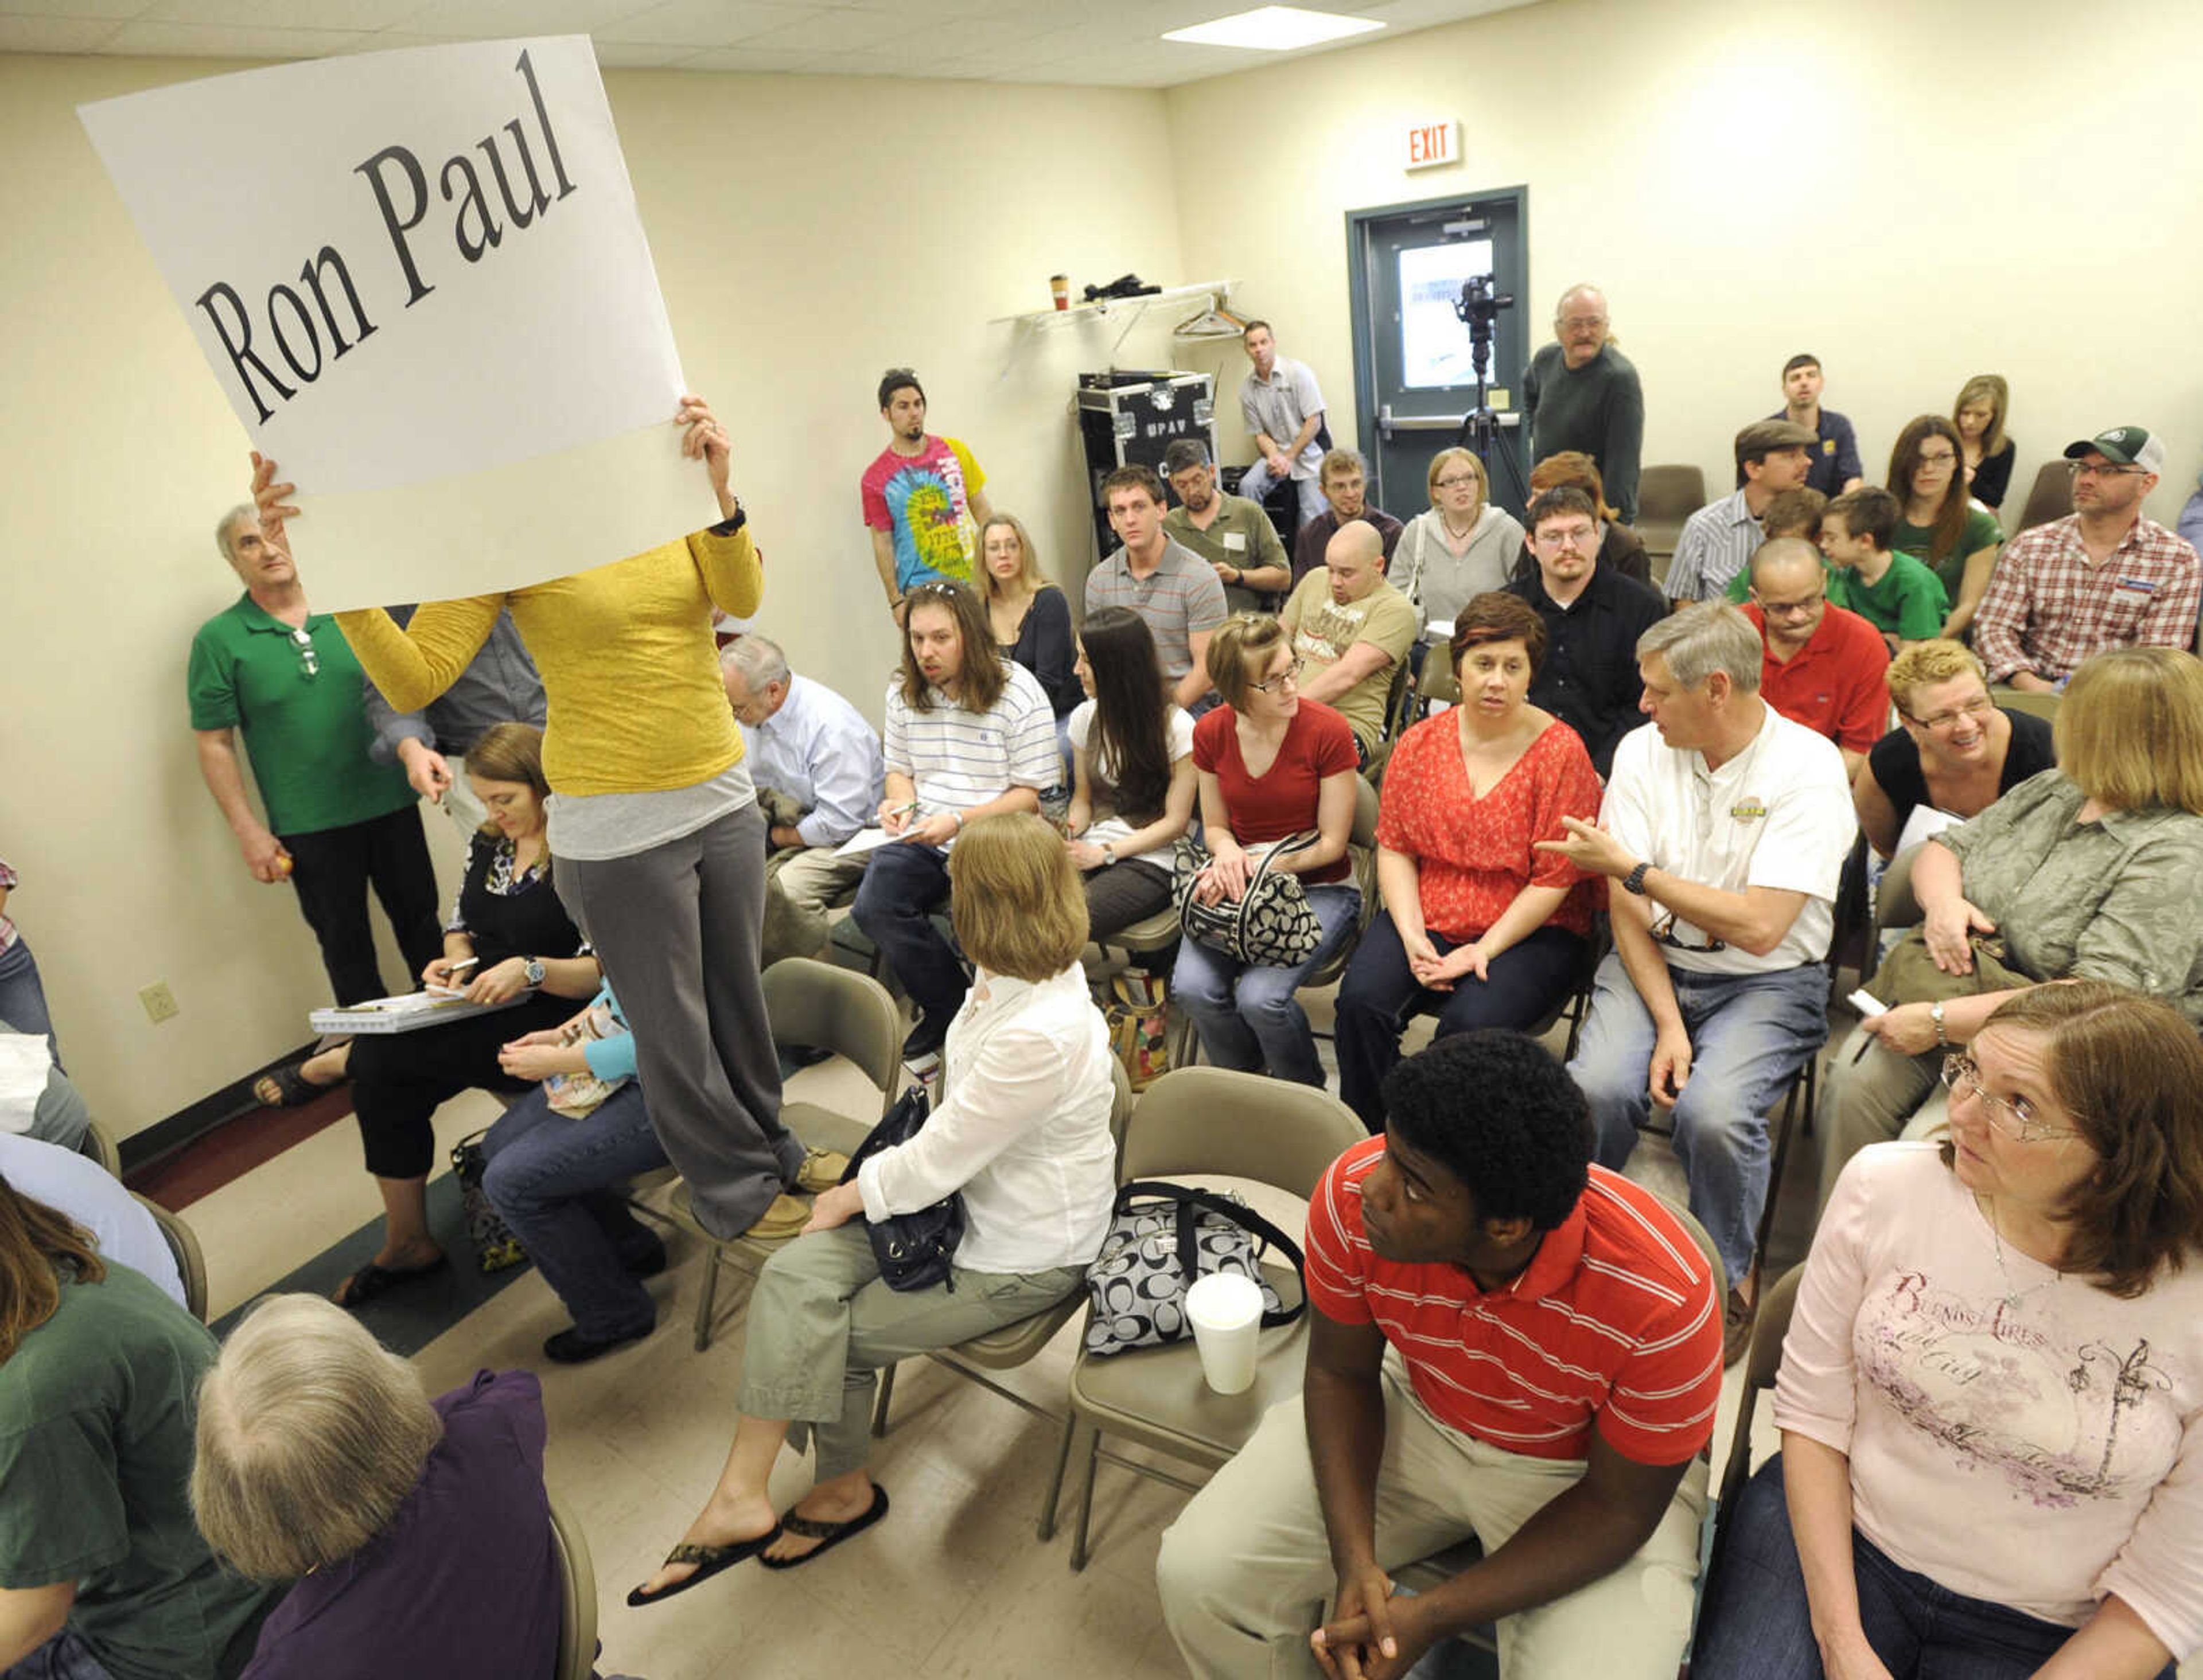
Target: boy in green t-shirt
[{"x": 1896, "y": 594}]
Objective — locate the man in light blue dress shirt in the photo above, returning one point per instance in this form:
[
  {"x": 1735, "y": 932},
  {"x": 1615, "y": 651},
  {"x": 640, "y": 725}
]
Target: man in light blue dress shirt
[{"x": 813, "y": 750}]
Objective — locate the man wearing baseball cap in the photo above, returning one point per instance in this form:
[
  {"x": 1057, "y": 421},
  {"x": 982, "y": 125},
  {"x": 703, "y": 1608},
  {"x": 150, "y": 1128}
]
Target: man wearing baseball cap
[
  {"x": 1772, "y": 455},
  {"x": 2103, "y": 576}
]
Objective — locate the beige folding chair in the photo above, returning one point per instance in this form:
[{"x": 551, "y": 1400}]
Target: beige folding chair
[
  {"x": 2051, "y": 496},
  {"x": 1760, "y": 1365},
  {"x": 820, "y": 1007},
  {"x": 183, "y": 1243},
  {"x": 1361, "y": 854},
  {"x": 1667, "y": 496},
  {"x": 1015, "y": 1345},
  {"x": 98, "y": 1143},
  {"x": 2044, "y": 706},
  {"x": 1441, "y": 1567},
  {"x": 1200, "y": 1125},
  {"x": 577, "y": 1594}
]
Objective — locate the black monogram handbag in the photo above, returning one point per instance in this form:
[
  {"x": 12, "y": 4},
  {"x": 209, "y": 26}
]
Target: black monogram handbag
[
  {"x": 915, "y": 1251},
  {"x": 1271, "y": 924},
  {"x": 1163, "y": 1238}
]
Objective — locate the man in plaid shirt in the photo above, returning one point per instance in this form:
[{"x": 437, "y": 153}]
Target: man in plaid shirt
[{"x": 2103, "y": 576}]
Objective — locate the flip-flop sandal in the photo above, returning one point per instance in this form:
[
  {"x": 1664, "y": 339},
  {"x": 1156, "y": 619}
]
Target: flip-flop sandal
[
  {"x": 371, "y": 1281},
  {"x": 828, "y": 1535},
  {"x": 822, "y": 1169},
  {"x": 289, "y": 1087},
  {"x": 710, "y": 1561}
]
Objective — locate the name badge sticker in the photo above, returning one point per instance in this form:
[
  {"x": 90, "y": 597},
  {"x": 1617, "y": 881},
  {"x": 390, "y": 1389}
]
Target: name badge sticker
[
  {"x": 1236, "y": 541},
  {"x": 1749, "y": 809},
  {"x": 2142, "y": 584}
]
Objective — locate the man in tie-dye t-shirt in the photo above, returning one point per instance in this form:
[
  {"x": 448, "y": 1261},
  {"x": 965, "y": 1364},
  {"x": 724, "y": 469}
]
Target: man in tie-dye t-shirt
[{"x": 922, "y": 497}]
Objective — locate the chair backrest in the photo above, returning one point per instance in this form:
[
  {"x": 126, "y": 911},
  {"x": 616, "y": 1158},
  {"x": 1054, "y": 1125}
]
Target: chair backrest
[
  {"x": 1437, "y": 680},
  {"x": 1214, "y": 1120},
  {"x": 2028, "y": 700},
  {"x": 822, "y": 1006},
  {"x": 1667, "y": 495},
  {"x": 98, "y": 1143},
  {"x": 1120, "y": 1108},
  {"x": 577, "y": 1594},
  {"x": 2052, "y": 497},
  {"x": 1365, "y": 817},
  {"x": 1761, "y": 1365},
  {"x": 183, "y": 1243}
]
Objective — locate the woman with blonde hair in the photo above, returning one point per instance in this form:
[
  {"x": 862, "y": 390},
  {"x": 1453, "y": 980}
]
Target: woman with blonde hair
[
  {"x": 508, "y": 942},
  {"x": 1991, "y": 1397},
  {"x": 1458, "y": 548},
  {"x": 1028, "y": 616},
  {"x": 1978, "y": 415},
  {"x": 1954, "y": 751},
  {"x": 1021, "y": 1131},
  {"x": 107, "y": 1577},
  {"x": 417, "y": 1532},
  {"x": 2088, "y": 870}
]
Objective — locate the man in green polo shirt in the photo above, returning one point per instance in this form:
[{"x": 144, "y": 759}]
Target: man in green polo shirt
[
  {"x": 336, "y": 820},
  {"x": 1231, "y": 533},
  {"x": 1899, "y": 595}
]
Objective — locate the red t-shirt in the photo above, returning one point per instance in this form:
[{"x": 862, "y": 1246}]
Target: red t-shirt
[
  {"x": 1282, "y": 801},
  {"x": 1474, "y": 854},
  {"x": 1837, "y": 684},
  {"x": 1615, "y": 1325}
]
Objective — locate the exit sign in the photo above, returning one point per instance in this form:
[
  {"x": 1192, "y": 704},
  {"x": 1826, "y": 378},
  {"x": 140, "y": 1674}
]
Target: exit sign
[{"x": 1429, "y": 144}]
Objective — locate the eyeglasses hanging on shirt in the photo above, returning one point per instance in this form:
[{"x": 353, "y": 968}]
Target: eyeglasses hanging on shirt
[{"x": 309, "y": 663}]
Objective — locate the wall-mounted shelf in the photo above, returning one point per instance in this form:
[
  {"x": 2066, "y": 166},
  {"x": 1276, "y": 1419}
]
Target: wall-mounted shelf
[{"x": 1129, "y": 310}]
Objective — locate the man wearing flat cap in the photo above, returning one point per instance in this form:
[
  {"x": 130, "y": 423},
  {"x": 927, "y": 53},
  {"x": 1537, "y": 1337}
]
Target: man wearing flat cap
[
  {"x": 2103, "y": 576},
  {"x": 1717, "y": 540}
]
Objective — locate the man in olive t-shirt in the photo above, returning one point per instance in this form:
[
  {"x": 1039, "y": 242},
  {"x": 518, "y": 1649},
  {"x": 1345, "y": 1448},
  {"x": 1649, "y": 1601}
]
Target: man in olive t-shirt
[
  {"x": 1231, "y": 533},
  {"x": 1351, "y": 630}
]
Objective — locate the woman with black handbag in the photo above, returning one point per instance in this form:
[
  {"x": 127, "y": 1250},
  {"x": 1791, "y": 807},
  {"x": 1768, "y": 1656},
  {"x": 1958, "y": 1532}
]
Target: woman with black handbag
[
  {"x": 1021, "y": 1134},
  {"x": 1277, "y": 792}
]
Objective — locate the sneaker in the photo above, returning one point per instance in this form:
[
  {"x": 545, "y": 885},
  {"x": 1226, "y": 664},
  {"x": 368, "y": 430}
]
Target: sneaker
[{"x": 1736, "y": 1327}]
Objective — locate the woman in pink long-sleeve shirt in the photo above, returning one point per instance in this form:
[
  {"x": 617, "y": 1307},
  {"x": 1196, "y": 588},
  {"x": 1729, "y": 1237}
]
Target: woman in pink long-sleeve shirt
[{"x": 1991, "y": 1397}]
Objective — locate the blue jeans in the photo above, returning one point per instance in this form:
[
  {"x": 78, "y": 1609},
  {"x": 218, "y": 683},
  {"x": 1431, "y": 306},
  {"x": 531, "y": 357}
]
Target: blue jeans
[
  {"x": 1246, "y": 1014},
  {"x": 1750, "y": 1034},
  {"x": 1755, "y": 1622},
  {"x": 903, "y": 883},
  {"x": 551, "y": 1178},
  {"x": 22, "y": 997},
  {"x": 63, "y": 1656},
  {"x": 1380, "y": 994},
  {"x": 1257, "y": 483}
]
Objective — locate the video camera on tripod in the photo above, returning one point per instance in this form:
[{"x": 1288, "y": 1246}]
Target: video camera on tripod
[{"x": 1478, "y": 307}]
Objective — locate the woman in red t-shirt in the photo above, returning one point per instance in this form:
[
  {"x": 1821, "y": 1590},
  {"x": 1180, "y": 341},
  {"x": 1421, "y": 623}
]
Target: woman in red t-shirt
[
  {"x": 1272, "y": 765},
  {"x": 1477, "y": 924}
]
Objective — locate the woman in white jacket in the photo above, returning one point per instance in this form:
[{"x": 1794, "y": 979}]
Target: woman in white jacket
[{"x": 1021, "y": 1127}]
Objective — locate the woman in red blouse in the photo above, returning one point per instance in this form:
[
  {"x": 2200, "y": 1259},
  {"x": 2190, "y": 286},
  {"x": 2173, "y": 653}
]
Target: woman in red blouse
[{"x": 1477, "y": 924}]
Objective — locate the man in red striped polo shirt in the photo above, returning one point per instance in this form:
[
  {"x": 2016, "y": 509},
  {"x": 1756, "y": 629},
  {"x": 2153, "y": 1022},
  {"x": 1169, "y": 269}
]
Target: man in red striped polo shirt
[{"x": 1505, "y": 1341}]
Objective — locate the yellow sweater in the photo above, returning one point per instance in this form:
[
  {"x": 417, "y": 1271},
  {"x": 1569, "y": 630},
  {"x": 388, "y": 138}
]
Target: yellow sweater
[{"x": 636, "y": 701}]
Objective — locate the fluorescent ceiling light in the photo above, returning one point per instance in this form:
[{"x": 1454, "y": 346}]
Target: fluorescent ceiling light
[{"x": 1274, "y": 29}]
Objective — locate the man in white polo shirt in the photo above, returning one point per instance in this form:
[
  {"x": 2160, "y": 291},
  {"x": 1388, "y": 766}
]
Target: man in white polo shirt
[
  {"x": 969, "y": 734},
  {"x": 1725, "y": 826}
]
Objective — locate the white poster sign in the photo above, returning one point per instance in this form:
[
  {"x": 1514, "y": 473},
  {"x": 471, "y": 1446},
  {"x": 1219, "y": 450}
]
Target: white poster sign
[{"x": 421, "y": 279}]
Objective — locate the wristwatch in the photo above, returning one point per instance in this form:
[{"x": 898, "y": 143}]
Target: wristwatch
[
  {"x": 1936, "y": 1014},
  {"x": 535, "y": 971},
  {"x": 1108, "y": 855},
  {"x": 1634, "y": 880}
]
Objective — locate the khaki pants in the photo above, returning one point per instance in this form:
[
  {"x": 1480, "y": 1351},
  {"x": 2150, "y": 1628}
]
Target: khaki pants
[
  {"x": 802, "y": 883},
  {"x": 821, "y": 1324},
  {"x": 1245, "y": 1571}
]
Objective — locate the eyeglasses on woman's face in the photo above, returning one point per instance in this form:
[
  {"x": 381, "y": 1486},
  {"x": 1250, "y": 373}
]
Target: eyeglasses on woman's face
[
  {"x": 1288, "y": 678},
  {"x": 1975, "y": 709},
  {"x": 2014, "y": 1116}
]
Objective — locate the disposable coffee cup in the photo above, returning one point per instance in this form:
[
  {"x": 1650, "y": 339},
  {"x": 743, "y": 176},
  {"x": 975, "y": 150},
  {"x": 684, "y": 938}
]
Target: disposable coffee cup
[
  {"x": 1058, "y": 287},
  {"x": 1225, "y": 1310}
]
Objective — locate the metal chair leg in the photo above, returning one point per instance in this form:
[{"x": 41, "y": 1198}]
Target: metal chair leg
[
  {"x": 1086, "y": 1500},
  {"x": 1055, "y": 1482},
  {"x": 881, "y": 1400},
  {"x": 703, "y": 1301}
]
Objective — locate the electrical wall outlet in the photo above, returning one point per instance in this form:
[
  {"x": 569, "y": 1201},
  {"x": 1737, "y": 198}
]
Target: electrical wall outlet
[{"x": 160, "y": 1002}]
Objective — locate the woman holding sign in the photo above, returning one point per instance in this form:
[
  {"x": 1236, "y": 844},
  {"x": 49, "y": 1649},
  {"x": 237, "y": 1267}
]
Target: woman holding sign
[{"x": 658, "y": 842}]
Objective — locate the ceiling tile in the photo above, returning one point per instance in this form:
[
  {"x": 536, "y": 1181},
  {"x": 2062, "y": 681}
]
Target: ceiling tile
[
  {"x": 832, "y": 29},
  {"x": 282, "y": 13},
  {"x": 758, "y": 60},
  {"x": 702, "y": 23},
  {"x": 51, "y": 9},
  {"x": 491, "y": 19},
  {"x": 56, "y": 35},
  {"x": 207, "y": 40},
  {"x": 639, "y": 54}
]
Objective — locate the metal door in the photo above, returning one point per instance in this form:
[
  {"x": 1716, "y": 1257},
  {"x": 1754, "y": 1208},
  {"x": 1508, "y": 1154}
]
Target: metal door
[{"x": 1413, "y": 380}]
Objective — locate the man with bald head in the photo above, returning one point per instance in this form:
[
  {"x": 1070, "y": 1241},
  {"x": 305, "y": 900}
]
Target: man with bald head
[
  {"x": 1350, "y": 629},
  {"x": 1581, "y": 393},
  {"x": 1827, "y": 668}
]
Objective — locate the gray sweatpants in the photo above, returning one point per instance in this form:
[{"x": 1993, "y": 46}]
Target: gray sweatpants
[{"x": 677, "y": 930}]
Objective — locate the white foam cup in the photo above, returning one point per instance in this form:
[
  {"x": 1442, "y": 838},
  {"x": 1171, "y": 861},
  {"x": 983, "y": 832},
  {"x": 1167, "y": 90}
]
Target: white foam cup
[{"x": 1225, "y": 1310}]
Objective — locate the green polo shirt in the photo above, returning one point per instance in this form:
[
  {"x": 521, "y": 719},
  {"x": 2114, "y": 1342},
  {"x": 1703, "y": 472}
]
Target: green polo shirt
[
  {"x": 1241, "y": 537},
  {"x": 306, "y": 735},
  {"x": 1908, "y": 603}
]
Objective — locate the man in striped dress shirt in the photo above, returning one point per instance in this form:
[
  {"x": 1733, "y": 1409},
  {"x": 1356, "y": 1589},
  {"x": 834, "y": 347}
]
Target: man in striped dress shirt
[{"x": 1505, "y": 1342}]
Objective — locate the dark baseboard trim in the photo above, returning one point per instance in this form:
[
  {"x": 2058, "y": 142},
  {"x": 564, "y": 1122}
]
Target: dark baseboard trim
[{"x": 186, "y": 1126}]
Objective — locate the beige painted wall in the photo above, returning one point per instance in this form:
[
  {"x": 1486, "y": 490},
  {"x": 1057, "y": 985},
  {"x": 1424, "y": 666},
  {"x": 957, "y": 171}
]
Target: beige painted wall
[
  {"x": 808, "y": 233},
  {"x": 1913, "y": 193}
]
